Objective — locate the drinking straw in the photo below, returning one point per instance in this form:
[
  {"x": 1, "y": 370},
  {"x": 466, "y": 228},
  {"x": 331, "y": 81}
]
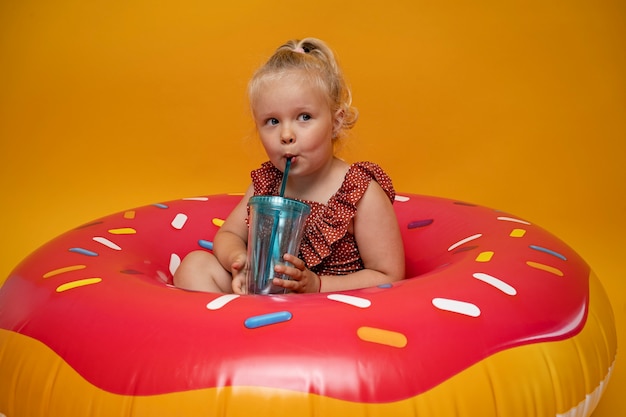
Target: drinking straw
[
  {"x": 273, "y": 244},
  {"x": 284, "y": 183}
]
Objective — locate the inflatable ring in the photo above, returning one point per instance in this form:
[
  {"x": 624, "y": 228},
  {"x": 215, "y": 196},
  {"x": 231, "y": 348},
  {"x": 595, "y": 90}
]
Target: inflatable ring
[{"x": 498, "y": 318}]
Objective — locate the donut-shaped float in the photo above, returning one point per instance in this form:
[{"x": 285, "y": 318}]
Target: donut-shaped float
[{"x": 498, "y": 318}]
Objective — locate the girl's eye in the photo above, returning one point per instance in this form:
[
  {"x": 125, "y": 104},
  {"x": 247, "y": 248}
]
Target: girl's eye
[
  {"x": 305, "y": 117},
  {"x": 272, "y": 121}
]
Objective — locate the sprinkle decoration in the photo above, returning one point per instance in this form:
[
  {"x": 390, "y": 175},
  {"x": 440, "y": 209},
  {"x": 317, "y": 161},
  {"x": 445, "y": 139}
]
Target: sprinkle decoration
[
  {"x": 456, "y": 306},
  {"x": 511, "y": 219},
  {"x": 484, "y": 256},
  {"x": 420, "y": 223},
  {"x": 123, "y": 231},
  {"x": 221, "y": 301},
  {"x": 548, "y": 251},
  {"x": 82, "y": 251},
  {"x": 106, "y": 242},
  {"x": 495, "y": 282},
  {"x": 205, "y": 244},
  {"x": 464, "y": 241},
  {"x": 77, "y": 284},
  {"x": 64, "y": 270},
  {"x": 179, "y": 221},
  {"x": 350, "y": 300},
  {"x": 382, "y": 336},
  {"x": 263, "y": 320},
  {"x": 544, "y": 267}
]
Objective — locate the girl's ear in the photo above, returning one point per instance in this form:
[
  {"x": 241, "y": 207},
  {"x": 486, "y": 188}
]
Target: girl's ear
[{"x": 338, "y": 122}]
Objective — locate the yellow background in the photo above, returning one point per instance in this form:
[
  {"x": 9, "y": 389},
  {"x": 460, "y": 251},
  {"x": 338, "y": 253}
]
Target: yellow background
[{"x": 516, "y": 105}]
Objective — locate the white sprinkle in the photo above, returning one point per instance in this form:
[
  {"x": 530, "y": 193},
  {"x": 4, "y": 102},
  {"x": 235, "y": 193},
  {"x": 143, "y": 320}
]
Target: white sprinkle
[
  {"x": 349, "y": 299},
  {"x": 463, "y": 241},
  {"x": 221, "y": 301},
  {"x": 179, "y": 221},
  {"x": 174, "y": 263},
  {"x": 511, "y": 219},
  {"x": 196, "y": 198},
  {"x": 456, "y": 306},
  {"x": 402, "y": 198},
  {"x": 106, "y": 242},
  {"x": 499, "y": 284}
]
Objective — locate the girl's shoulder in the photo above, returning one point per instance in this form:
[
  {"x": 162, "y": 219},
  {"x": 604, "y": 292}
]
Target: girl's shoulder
[{"x": 358, "y": 179}]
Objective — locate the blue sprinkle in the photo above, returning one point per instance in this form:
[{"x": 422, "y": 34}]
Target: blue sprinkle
[
  {"x": 420, "y": 223},
  {"x": 160, "y": 205},
  {"x": 267, "y": 319},
  {"x": 205, "y": 244},
  {"x": 83, "y": 251},
  {"x": 388, "y": 285},
  {"x": 548, "y": 251}
]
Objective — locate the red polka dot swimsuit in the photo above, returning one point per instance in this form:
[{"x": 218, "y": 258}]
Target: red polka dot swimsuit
[{"x": 327, "y": 247}]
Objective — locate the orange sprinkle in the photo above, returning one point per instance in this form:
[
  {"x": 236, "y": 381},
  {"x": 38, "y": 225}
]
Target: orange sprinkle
[
  {"x": 517, "y": 233},
  {"x": 78, "y": 283},
  {"x": 123, "y": 231},
  {"x": 381, "y": 336},
  {"x": 546, "y": 268},
  {"x": 64, "y": 270},
  {"x": 130, "y": 214},
  {"x": 484, "y": 256},
  {"x": 218, "y": 222}
]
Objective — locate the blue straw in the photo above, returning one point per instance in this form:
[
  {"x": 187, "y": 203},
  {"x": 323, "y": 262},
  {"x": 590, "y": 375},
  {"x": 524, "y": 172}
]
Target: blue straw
[
  {"x": 284, "y": 184},
  {"x": 274, "y": 247}
]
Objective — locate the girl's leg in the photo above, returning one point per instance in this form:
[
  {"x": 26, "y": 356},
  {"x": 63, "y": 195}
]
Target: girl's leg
[{"x": 201, "y": 271}]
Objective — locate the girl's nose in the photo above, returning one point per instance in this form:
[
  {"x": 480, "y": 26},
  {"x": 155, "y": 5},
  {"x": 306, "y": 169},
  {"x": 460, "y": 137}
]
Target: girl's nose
[{"x": 287, "y": 136}]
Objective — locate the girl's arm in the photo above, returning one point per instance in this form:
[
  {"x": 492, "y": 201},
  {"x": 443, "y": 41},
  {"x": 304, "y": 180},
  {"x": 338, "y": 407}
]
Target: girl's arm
[
  {"x": 230, "y": 242},
  {"x": 378, "y": 237}
]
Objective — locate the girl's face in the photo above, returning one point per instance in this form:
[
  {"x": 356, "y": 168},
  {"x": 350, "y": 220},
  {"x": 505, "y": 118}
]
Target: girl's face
[{"x": 294, "y": 120}]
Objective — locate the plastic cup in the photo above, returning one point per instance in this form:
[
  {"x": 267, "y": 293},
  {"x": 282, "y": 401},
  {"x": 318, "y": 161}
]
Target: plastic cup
[{"x": 276, "y": 226}]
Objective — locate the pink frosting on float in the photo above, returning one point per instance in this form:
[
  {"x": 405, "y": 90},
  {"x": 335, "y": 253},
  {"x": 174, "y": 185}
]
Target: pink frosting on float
[{"x": 130, "y": 333}]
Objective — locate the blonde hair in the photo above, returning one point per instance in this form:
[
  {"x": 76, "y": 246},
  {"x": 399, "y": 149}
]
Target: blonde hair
[{"x": 317, "y": 60}]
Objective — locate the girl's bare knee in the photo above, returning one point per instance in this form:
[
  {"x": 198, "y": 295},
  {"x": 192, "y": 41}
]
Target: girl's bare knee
[
  {"x": 190, "y": 269},
  {"x": 201, "y": 271}
]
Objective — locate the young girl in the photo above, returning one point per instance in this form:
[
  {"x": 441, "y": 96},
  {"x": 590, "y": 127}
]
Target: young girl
[{"x": 301, "y": 106}]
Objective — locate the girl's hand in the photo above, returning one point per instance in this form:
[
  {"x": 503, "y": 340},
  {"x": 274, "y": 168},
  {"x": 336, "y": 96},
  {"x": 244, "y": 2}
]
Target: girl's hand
[
  {"x": 239, "y": 270},
  {"x": 302, "y": 279}
]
